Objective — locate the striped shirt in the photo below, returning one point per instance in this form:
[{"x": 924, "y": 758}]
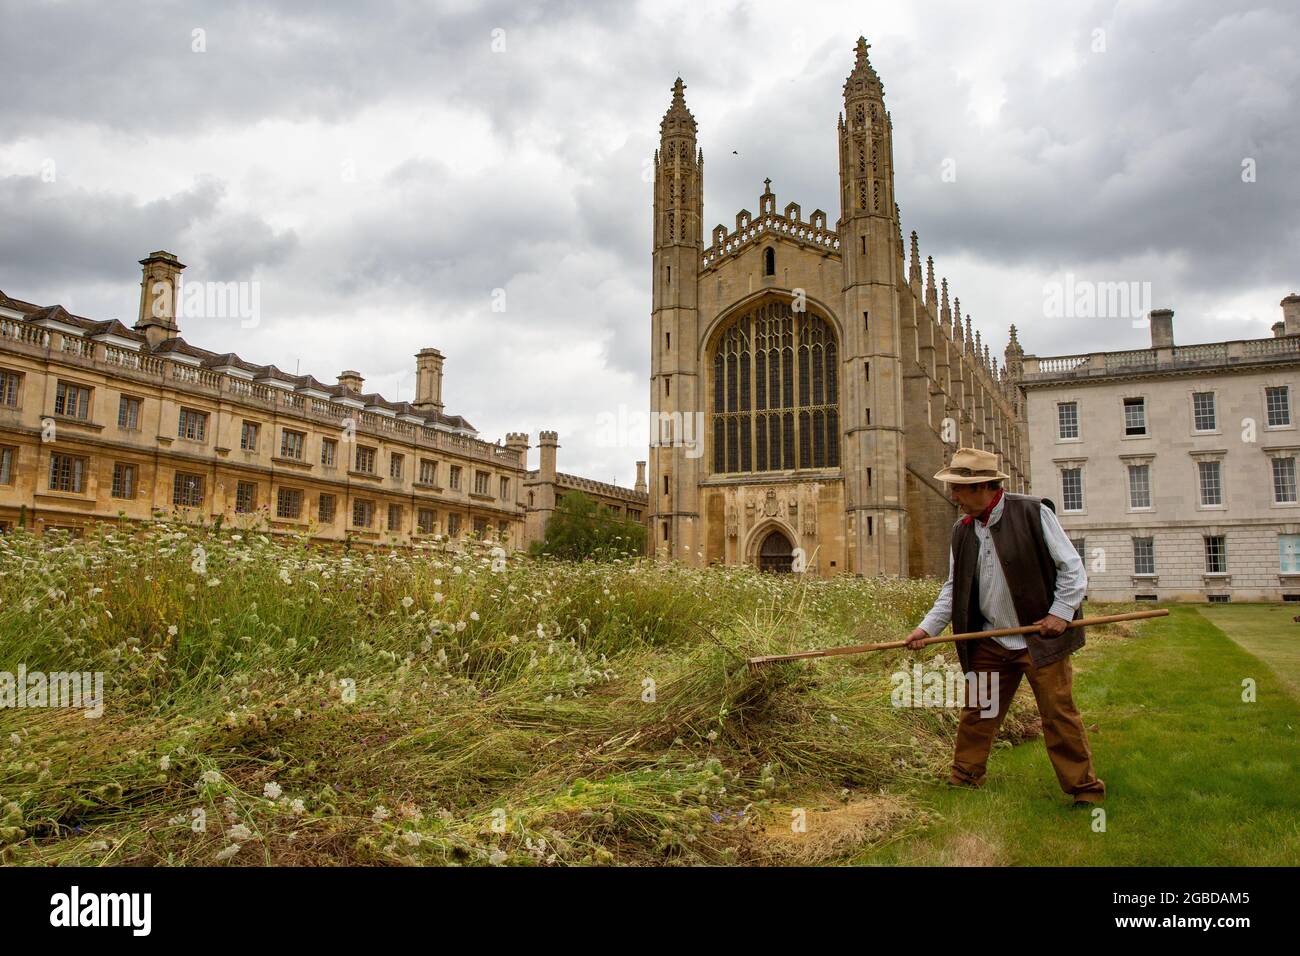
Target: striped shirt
[{"x": 995, "y": 597}]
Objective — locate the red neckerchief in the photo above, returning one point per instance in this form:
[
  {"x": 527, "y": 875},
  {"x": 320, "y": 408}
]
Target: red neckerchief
[{"x": 987, "y": 512}]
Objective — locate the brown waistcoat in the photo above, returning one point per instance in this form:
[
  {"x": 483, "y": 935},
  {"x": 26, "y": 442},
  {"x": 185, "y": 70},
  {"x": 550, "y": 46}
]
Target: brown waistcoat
[{"x": 1030, "y": 572}]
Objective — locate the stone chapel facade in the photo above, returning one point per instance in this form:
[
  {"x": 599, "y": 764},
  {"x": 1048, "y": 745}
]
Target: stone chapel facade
[{"x": 807, "y": 378}]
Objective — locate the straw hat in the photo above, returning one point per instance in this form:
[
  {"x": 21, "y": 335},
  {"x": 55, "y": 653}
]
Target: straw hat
[{"x": 970, "y": 466}]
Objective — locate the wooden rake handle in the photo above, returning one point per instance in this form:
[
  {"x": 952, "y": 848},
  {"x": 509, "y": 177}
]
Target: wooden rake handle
[{"x": 970, "y": 636}]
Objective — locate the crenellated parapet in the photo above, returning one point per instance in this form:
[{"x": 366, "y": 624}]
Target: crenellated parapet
[{"x": 814, "y": 234}]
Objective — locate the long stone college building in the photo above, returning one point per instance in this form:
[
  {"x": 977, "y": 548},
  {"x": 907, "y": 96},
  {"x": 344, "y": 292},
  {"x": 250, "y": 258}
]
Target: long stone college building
[{"x": 99, "y": 421}]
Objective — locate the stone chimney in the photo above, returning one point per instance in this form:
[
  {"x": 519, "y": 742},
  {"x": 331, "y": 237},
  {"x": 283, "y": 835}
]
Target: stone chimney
[
  {"x": 351, "y": 381},
  {"x": 547, "y": 443},
  {"x": 1291, "y": 314},
  {"x": 640, "y": 478},
  {"x": 1279, "y": 329},
  {"x": 160, "y": 291},
  {"x": 1162, "y": 328},
  {"x": 428, "y": 380}
]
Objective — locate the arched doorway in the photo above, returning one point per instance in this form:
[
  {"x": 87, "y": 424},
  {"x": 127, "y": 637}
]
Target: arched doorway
[{"x": 776, "y": 554}]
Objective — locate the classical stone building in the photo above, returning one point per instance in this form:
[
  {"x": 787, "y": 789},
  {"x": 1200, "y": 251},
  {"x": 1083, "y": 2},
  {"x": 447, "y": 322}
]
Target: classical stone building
[
  {"x": 100, "y": 421},
  {"x": 545, "y": 487},
  {"x": 1174, "y": 467},
  {"x": 807, "y": 377}
]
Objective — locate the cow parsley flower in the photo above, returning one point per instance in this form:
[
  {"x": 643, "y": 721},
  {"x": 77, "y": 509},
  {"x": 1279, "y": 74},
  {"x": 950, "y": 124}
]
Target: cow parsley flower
[
  {"x": 473, "y": 615},
  {"x": 284, "y": 576},
  {"x": 239, "y": 832},
  {"x": 297, "y": 807},
  {"x": 271, "y": 790},
  {"x": 210, "y": 776},
  {"x": 407, "y": 601}
]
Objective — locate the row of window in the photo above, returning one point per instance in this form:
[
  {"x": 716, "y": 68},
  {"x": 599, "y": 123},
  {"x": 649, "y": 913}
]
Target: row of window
[
  {"x": 1215, "y": 550},
  {"x": 68, "y": 473},
  {"x": 193, "y": 425},
  {"x": 73, "y": 401},
  {"x": 1209, "y": 483},
  {"x": 1205, "y": 414}
]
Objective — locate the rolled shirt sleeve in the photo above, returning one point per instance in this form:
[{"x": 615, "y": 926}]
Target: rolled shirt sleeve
[
  {"x": 1071, "y": 578},
  {"x": 941, "y": 614}
]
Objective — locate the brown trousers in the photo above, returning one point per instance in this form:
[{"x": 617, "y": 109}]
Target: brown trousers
[{"x": 1063, "y": 733}]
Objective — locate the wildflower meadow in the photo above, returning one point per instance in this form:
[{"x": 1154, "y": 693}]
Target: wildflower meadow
[{"x": 267, "y": 702}]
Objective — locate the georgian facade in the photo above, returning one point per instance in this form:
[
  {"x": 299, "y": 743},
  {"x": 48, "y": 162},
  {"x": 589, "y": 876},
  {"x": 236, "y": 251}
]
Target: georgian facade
[
  {"x": 99, "y": 421},
  {"x": 809, "y": 377},
  {"x": 1173, "y": 467}
]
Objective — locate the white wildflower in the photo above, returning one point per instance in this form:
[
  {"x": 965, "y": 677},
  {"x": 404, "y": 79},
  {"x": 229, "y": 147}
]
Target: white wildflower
[
  {"x": 407, "y": 601},
  {"x": 165, "y": 763},
  {"x": 381, "y": 814},
  {"x": 173, "y": 631},
  {"x": 210, "y": 776},
  {"x": 284, "y": 576},
  {"x": 297, "y": 807},
  {"x": 271, "y": 790},
  {"x": 239, "y": 832},
  {"x": 411, "y": 837},
  {"x": 228, "y": 852},
  {"x": 473, "y": 615},
  {"x": 497, "y": 857}
]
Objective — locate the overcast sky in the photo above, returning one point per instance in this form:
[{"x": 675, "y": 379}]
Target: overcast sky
[{"x": 380, "y": 169}]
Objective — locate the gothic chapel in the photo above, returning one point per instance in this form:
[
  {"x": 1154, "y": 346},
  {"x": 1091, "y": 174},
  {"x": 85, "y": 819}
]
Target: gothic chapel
[{"x": 832, "y": 379}]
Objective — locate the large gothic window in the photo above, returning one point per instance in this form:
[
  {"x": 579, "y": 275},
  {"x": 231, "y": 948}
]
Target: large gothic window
[{"x": 776, "y": 392}]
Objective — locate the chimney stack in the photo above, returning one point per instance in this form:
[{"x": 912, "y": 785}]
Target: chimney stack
[
  {"x": 428, "y": 380},
  {"x": 1291, "y": 314},
  {"x": 160, "y": 290},
  {"x": 547, "y": 443},
  {"x": 1162, "y": 328},
  {"x": 640, "y": 478},
  {"x": 1279, "y": 329},
  {"x": 351, "y": 381}
]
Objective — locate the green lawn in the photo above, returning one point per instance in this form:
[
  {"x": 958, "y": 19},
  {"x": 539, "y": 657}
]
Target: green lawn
[
  {"x": 1194, "y": 775},
  {"x": 1269, "y": 631}
]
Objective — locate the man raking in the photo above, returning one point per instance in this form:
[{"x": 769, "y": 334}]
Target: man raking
[{"x": 1010, "y": 564}]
